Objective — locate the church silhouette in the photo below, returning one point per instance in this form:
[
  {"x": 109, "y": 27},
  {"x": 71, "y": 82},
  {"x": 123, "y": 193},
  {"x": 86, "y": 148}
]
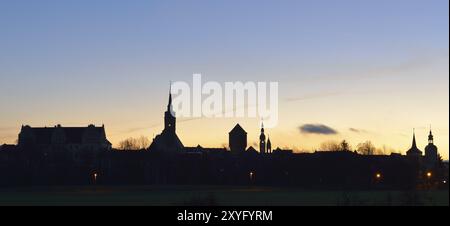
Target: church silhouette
[{"x": 168, "y": 140}]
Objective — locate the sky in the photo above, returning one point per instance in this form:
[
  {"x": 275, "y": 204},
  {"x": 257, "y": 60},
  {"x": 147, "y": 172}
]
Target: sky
[{"x": 367, "y": 70}]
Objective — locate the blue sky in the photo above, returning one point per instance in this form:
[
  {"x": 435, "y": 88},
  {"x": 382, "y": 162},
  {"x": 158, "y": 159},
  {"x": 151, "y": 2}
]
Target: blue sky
[{"x": 60, "y": 58}]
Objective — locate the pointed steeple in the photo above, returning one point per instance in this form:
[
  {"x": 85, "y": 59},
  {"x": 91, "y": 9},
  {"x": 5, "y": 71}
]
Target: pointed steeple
[
  {"x": 430, "y": 137},
  {"x": 262, "y": 140},
  {"x": 414, "y": 151},
  {"x": 169, "y": 115},
  {"x": 169, "y": 105},
  {"x": 414, "y": 139}
]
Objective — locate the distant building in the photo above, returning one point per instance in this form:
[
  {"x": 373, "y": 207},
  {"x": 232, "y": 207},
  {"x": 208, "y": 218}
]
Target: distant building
[
  {"x": 269, "y": 146},
  {"x": 237, "y": 139},
  {"x": 201, "y": 150},
  {"x": 431, "y": 152},
  {"x": 252, "y": 150},
  {"x": 168, "y": 140},
  {"x": 70, "y": 138},
  {"x": 414, "y": 151},
  {"x": 262, "y": 141},
  {"x": 282, "y": 151}
]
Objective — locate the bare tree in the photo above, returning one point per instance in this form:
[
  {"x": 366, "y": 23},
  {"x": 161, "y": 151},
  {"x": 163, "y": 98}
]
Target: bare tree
[
  {"x": 366, "y": 148},
  {"x": 127, "y": 144},
  {"x": 134, "y": 144},
  {"x": 335, "y": 146},
  {"x": 330, "y": 146},
  {"x": 345, "y": 146},
  {"x": 143, "y": 142}
]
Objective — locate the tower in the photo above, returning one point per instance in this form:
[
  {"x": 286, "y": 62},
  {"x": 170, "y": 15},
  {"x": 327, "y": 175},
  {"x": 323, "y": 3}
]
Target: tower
[
  {"x": 237, "y": 139},
  {"x": 269, "y": 145},
  {"x": 262, "y": 141},
  {"x": 169, "y": 115},
  {"x": 414, "y": 151},
  {"x": 431, "y": 152},
  {"x": 168, "y": 140},
  {"x": 430, "y": 138}
]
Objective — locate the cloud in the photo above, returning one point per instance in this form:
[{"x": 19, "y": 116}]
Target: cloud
[
  {"x": 357, "y": 130},
  {"x": 317, "y": 129}
]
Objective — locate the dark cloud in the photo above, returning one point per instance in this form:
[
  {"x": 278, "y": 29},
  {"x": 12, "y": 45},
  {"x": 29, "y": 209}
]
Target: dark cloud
[{"x": 317, "y": 129}]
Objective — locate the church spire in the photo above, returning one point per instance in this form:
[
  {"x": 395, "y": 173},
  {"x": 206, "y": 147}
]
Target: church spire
[
  {"x": 169, "y": 105},
  {"x": 169, "y": 116},
  {"x": 262, "y": 141},
  {"x": 430, "y": 137},
  {"x": 414, "y": 139},
  {"x": 414, "y": 151}
]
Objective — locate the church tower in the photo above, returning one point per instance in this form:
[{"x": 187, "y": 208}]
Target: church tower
[
  {"x": 269, "y": 146},
  {"x": 168, "y": 140},
  {"x": 262, "y": 141},
  {"x": 414, "y": 151},
  {"x": 169, "y": 115},
  {"x": 430, "y": 138},
  {"x": 431, "y": 152}
]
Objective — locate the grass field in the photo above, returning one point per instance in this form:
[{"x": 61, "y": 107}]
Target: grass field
[{"x": 211, "y": 195}]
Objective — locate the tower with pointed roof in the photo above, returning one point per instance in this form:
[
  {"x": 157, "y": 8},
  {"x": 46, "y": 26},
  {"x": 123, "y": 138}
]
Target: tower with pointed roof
[
  {"x": 168, "y": 140},
  {"x": 431, "y": 152},
  {"x": 262, "y": 141},
  {"x": 169, "y": 115},
  {"x": 269, "y": 146},
  {"x": 414, "y": 151}
]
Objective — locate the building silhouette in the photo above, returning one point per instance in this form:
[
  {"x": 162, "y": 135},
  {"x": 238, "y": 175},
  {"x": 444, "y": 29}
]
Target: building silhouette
[
  {"x": 414, "y": 151},
  {"x": 431, "y": 152},
  {"x": 262, "y": 141},
  {"x": 59, "y": 137},
  {"x": 168, "y": 140},
  {"x": 431, "y": 157},
  {"x": 237, "y": 139},
  {"x": 269, "y": 146},
  {"x": 83, "y": 155}
]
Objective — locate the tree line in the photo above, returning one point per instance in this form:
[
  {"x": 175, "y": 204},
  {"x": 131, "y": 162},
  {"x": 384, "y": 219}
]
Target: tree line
[{"x": 364, "y": 148}]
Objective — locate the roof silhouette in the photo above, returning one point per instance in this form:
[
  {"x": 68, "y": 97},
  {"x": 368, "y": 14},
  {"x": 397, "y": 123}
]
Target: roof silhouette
[
  {"x": 414, "y": 150},
  {"x": 238, "y": 129},
  {"x": 43, "y": 135}
]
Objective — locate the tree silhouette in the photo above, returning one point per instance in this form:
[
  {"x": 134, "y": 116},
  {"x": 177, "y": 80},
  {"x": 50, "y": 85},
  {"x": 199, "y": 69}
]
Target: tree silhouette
[
  {"x": 330, "y": 146},
  {"x": 366, "y": 148},
  {"x": 130, "y": 144},
  {"x": 345, "y": 146}
]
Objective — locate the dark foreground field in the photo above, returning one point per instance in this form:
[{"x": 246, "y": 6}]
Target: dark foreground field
[{"x": 210, "y": 195}]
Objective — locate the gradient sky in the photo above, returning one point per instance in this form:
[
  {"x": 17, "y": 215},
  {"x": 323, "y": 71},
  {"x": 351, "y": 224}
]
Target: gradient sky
[{"x": 380, "y": 67}]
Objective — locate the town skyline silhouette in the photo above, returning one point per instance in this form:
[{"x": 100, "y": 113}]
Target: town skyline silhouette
[
  {"x": 83, "y": 155},
  {"x": 310, "y": 127},
  {"x": 224, "y": 103}
]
